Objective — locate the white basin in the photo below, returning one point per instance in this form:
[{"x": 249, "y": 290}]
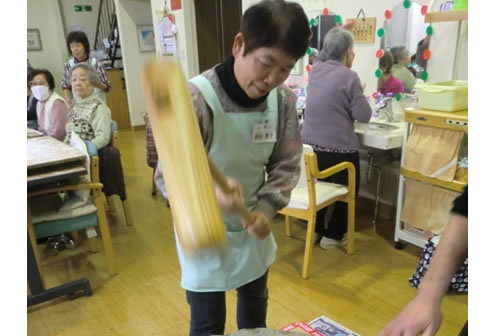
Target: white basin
[{"x": 381, "y": 135}]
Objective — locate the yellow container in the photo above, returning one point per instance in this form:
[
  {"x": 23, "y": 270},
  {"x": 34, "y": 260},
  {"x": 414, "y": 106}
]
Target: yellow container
[{"x": 448, "y": 96}]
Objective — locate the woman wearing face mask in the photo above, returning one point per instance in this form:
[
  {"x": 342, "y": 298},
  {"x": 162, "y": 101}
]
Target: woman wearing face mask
[{"x": 52, "y": 111}]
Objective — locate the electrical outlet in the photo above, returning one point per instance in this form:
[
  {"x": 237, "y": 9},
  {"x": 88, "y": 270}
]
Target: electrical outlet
[{"x": 457, "y": 122}]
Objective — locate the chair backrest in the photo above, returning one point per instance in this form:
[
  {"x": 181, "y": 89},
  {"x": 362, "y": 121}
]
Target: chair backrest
[
  {"x": 114, "y": 134},
  {"x": 302, "y": 182}
]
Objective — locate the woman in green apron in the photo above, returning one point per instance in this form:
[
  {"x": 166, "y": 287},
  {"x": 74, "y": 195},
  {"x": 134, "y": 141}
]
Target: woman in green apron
[{"x": 249, "y": 125}]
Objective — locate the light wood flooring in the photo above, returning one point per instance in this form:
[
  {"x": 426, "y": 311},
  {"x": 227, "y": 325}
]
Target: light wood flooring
[{"x": 363, "y": 291}]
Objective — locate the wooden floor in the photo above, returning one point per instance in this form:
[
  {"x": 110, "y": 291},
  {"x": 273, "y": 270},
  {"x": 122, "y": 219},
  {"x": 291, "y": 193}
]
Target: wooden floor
[{"x": 363, "y": 291}]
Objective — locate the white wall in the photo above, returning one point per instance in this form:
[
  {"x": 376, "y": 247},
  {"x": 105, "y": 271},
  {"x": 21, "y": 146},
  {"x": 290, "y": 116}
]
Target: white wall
[
  {"x": 45, "y": 15},
  {"x": 130, "y": 14},
  {"x": 87, "y": 21}
]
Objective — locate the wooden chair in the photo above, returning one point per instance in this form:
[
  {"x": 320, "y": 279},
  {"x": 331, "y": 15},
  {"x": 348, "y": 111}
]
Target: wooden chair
[
  {"x": 310, "y": 196},
  {"x": 59, "y": 226}
]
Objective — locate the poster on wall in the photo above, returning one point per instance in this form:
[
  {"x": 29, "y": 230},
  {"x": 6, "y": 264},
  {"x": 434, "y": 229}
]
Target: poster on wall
[
  {"x": 145, "y": 36},
  {"x": 175, "y": 4},
  {"x": 166, "y": 34},
  {"x": 364, "y": 30},
  {"x": 33, "y": 39}
]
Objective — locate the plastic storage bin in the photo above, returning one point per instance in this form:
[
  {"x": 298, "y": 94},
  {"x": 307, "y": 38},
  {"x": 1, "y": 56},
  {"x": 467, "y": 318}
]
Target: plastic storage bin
[{"x": 448, "y": 96}]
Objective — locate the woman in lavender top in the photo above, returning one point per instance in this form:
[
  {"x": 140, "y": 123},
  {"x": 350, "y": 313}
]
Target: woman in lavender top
[{"x": 335, "y": 99}]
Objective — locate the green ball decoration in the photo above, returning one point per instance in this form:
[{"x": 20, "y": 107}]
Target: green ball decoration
[
  {"x": 309, "y": 51},
  {"x": 381, "y": 32},
  {"x": 407, "y": 4},
  {"x": 313, "y": 22},
  {"x": 338, "y": 19},
  {"x": 398, "y": 96},
  {"x": 378, "y": 73},
  {"x": 429, "y": 30},
  {"x": 424, "y": 75}
]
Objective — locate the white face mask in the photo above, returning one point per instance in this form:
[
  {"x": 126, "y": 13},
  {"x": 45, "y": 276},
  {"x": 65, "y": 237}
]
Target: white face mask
[{"x": 40, "y": 92}]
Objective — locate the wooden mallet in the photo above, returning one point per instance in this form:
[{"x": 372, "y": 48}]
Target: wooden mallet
[{"x": 186, "y": 168}]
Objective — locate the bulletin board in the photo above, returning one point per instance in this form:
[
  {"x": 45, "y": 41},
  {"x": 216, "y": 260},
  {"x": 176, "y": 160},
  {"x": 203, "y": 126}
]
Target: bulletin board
[{"x": 364, "y": 30}]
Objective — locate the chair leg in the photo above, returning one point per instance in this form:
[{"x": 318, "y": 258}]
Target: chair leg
[
  {"x": 110, "y": 204},
  {"x": 127, "y": 213},
  {"x": 287, "y": 226},
  {"x": 33, "y": 240},
  {"x": 308, "y": 245},
  {"x": 351, "y": 213},
  {"x": 153, "y": 190},
  {"x": 104, "y": 231}
]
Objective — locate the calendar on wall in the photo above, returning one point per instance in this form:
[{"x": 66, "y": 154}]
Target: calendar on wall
[{"x": 364, "y": 30}]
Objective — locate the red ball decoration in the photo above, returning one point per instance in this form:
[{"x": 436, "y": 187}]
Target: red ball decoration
[
  {"x": 387, "y": 14},
  {"x": 424, "y": 9},
  {"x": 427, "y": 54},
  {"x": 326, "y": 11},
  {"x": 375, "y": 95},
  {"x": 380, "y": 53},
  {"x": 308, "y": 67}
]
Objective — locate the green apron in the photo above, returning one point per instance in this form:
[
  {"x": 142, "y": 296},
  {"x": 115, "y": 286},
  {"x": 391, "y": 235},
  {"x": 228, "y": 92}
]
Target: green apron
[{"x": 246, "y": 258}]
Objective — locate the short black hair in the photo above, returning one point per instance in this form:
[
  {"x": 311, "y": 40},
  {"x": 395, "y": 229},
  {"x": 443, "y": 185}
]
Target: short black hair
[
  {"x": 276, "y": 23},
  {"x": 78, "y": 36},
  {"x": 387, "y": 62},
  {"x": 47, "y": 74}
]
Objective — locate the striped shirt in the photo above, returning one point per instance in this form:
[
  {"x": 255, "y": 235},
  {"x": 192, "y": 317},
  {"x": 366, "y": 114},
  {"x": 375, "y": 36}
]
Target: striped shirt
[{"x": 66, "y": 82}]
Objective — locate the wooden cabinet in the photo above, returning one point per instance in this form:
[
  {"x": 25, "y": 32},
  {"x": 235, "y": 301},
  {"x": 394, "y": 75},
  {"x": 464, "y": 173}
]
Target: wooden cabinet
[{"x": 117, "y": 99}]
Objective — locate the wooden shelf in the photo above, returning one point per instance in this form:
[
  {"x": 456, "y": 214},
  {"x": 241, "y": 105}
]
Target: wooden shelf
[
  {"x": 457, "y": 121},
  {"x": 452, "y": 15},
  {"x": 454, "y": 185}
]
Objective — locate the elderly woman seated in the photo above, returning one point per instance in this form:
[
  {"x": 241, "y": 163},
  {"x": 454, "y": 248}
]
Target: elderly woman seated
[
  {"x": 51, "y": 109},
  {"x": 90, "y": 118}
]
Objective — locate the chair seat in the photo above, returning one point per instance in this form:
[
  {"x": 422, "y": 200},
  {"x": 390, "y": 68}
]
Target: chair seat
[
  {"x": 56, "y": 227},
  {"x": 324, "y": 191}
]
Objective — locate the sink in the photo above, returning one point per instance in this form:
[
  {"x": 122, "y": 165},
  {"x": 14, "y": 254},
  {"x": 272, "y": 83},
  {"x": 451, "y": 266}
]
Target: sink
[
  {"x": 375, "y": 127},
  {"x": 379, "y": 135},
  {"x": 380, "y": 126}
]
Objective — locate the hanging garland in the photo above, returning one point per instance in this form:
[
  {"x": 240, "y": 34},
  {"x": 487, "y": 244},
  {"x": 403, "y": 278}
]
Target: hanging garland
[{"x": 426, "y": 54}]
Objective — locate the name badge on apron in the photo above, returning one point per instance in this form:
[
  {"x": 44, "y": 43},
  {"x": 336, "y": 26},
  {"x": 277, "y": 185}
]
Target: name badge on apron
[{"x": 263, "y": 133}]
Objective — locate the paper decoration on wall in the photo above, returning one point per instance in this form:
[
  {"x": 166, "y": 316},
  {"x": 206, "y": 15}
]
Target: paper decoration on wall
[
  {"x": 313, "y": 22},
  {"x": 325, "y": 11},
  {"x": 424, "y": 75},
  {"x": 175, "y": 4},
  {"x": 424, "y": 9},
  {"x": 364, "y": 29},
  {"x": 308, "y": 67},
  {"x": 387, "y": 14},
  {"x": 407, "y": 4},
  {"x": 381, "y": 32},
  {"x": 429, "y": 31},
  {"x": 380, "y": 53},
  {"x": 309, "y": 51},
  {"x": 398, "y": 96},
  {"x": 427, "y": 54},
  {"x": 378, "y": 73},
  {"x": 167, "y": 33},
  {"x": 338, "y": 19}
]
